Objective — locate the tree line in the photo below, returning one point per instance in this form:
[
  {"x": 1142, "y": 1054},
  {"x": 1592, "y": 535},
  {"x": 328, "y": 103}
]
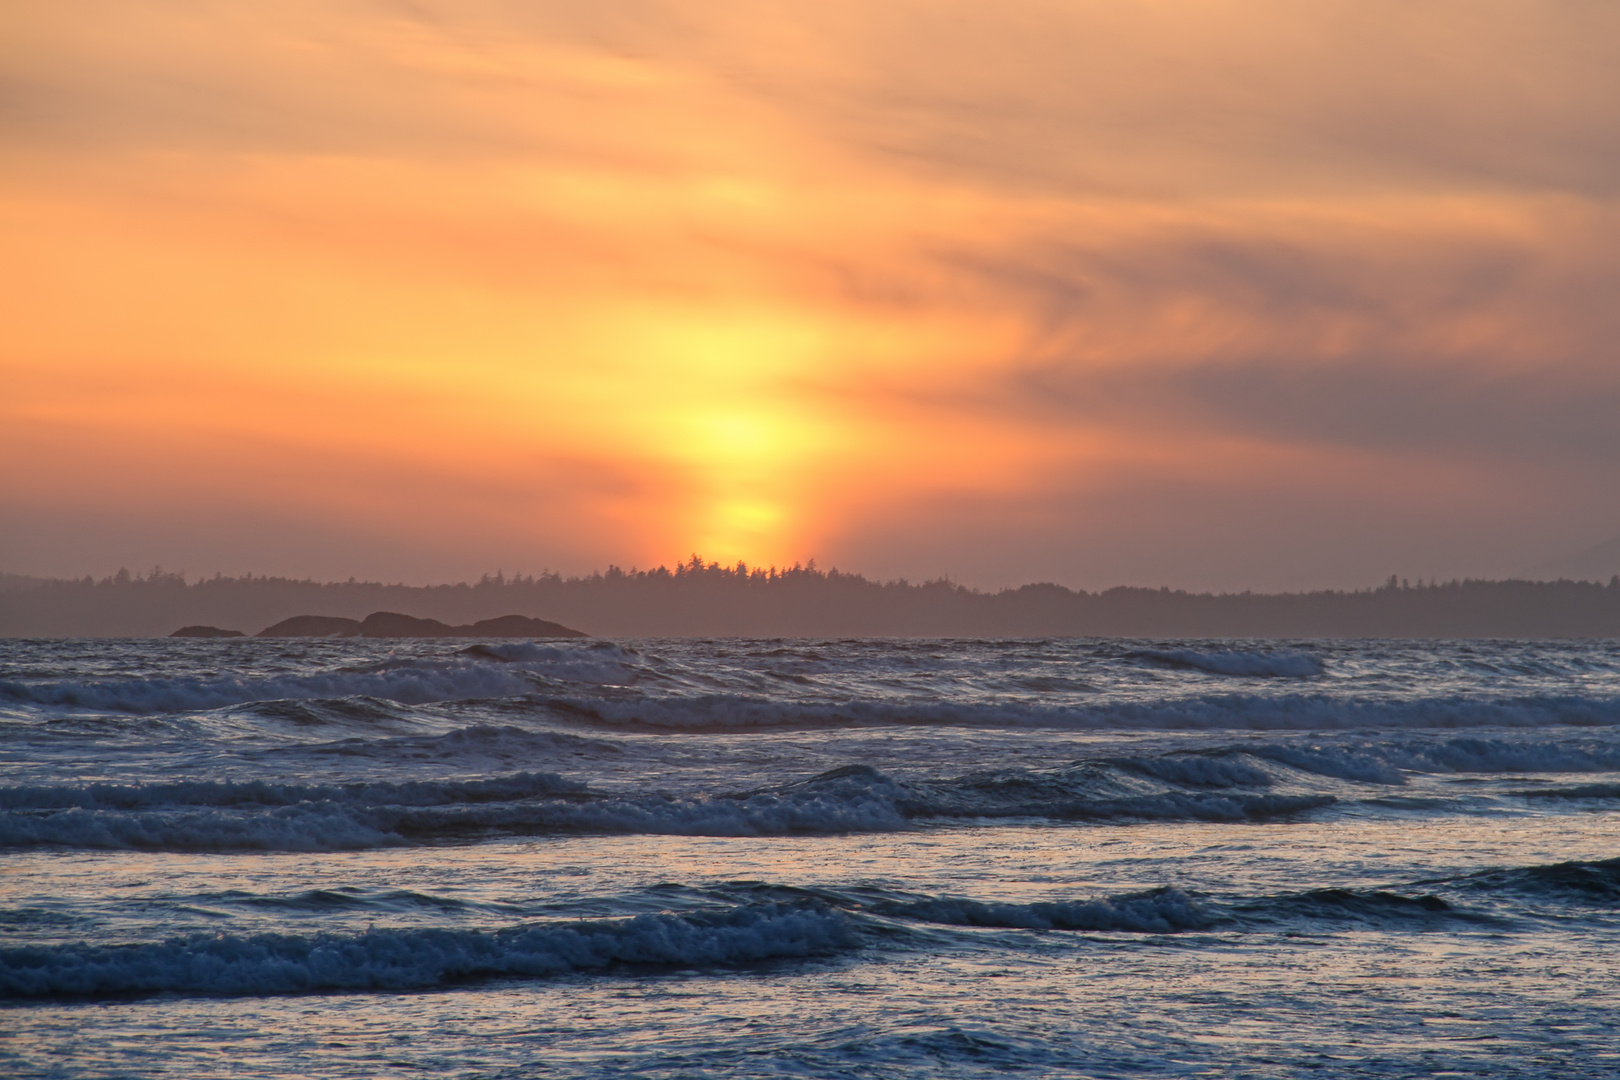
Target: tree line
[{"x": 706, "y": 599}]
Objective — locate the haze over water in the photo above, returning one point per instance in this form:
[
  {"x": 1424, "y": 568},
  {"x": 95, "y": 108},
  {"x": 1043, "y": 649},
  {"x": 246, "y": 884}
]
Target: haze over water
[{"x": 283, "y": 858}]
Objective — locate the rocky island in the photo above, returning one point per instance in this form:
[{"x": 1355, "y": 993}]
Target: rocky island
[
  {"x": 206, "y": 632},
  {"x": 391, "y": 624}
]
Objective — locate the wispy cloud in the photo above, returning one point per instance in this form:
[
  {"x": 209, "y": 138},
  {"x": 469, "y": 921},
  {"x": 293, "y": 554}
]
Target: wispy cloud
[{"x": 614, "y": 282}]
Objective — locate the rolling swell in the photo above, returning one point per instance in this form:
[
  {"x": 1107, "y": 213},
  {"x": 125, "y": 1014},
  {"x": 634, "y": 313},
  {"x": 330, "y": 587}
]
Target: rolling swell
[
  {"x": 225, "y": 816},
  {"x": 1238, "y": 782},
  {"x": 728, "y": 687},
  {"x": 1376, "y": 907},
  {"x": 487, "y": 671},
  {"x": 1237, "y": 663},
  {"x": 412, "y": 683},
  {"x": 1586, "y": 882},
  {"x": 475, "y": 743},
  {"x": 1206, "y": 712},
  {"x": 1159, "y": 911},
  {"x": 328, "y": 827},
  {"x": 260, "y": 793},
  {"x": 1388, "y": 761},
  {"x": 720, "y": 926},
  {"x": 1171, "y": 911},
  {"x": 267, "y": 964}
]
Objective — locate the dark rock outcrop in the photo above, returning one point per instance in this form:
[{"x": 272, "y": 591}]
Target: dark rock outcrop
[
  {"x": 384, "y": 624},
  {"x": 391, "y": 624},
  {"x": 519, "y": 626},
  {"x": 313, "y": 626},
  {"x": 206, "y": 632}
]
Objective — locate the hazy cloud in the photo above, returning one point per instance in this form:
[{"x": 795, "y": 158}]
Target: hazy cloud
[{"x": 1050, "y": 288}]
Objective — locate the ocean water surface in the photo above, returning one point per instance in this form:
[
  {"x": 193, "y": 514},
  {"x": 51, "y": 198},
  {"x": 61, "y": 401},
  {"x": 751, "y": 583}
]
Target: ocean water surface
[{"x": 857, "y": 858}]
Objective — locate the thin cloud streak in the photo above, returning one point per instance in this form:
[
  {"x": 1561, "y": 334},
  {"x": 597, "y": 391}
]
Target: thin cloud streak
[{"x": 768, "y": 282}]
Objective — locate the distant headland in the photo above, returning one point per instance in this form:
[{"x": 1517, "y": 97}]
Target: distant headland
[
  {"x": 391, "y": 624},
  {"x": 697, "y": 599}
]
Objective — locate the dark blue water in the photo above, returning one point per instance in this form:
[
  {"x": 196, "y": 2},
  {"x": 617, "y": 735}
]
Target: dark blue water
[{"x": 851, "y": 858}]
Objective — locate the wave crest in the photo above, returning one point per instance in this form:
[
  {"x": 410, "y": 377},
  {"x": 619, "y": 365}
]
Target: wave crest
[
  {"x": 1158, "y": 911},
  {"x": 266, "y": 964},
  {"x": 1206, "y": 712},
  {"x": 1238, "y": 663}
]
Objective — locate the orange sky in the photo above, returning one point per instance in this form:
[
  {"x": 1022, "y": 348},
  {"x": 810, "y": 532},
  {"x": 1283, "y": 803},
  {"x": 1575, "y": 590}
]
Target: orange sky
[{"x": 1222, "y": 294}]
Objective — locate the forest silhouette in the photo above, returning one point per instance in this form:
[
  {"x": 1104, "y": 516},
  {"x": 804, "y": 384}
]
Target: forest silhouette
[{"x": 705, "y": 599}]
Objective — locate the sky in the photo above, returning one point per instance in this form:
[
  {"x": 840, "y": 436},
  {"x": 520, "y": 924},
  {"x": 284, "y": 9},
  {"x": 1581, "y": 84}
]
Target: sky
[{"x": 1216, "y": 294}]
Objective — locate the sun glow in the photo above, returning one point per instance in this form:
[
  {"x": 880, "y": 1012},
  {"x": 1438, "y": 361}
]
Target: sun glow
[{"x": 765, "y": 284}]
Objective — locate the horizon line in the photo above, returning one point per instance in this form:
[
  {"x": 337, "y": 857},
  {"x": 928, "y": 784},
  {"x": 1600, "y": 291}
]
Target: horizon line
[{"x": 742, "y": 572}]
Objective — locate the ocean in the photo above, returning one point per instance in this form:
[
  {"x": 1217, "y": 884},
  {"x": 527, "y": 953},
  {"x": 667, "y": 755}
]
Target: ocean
[{"x": 804, "y": 858}]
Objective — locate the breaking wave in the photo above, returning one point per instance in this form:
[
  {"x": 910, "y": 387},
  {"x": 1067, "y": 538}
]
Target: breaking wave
[
  {"x": 223, "y": 816},
  {"x": 737, "y": 923},
  {"x": 418, "y": 958},
  {"x": 1388, "y": 761},
  {"x": 1210, "y": 712},
  {"x": 1252, "y": 781},
  {"x": 484, "y": 671}
]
